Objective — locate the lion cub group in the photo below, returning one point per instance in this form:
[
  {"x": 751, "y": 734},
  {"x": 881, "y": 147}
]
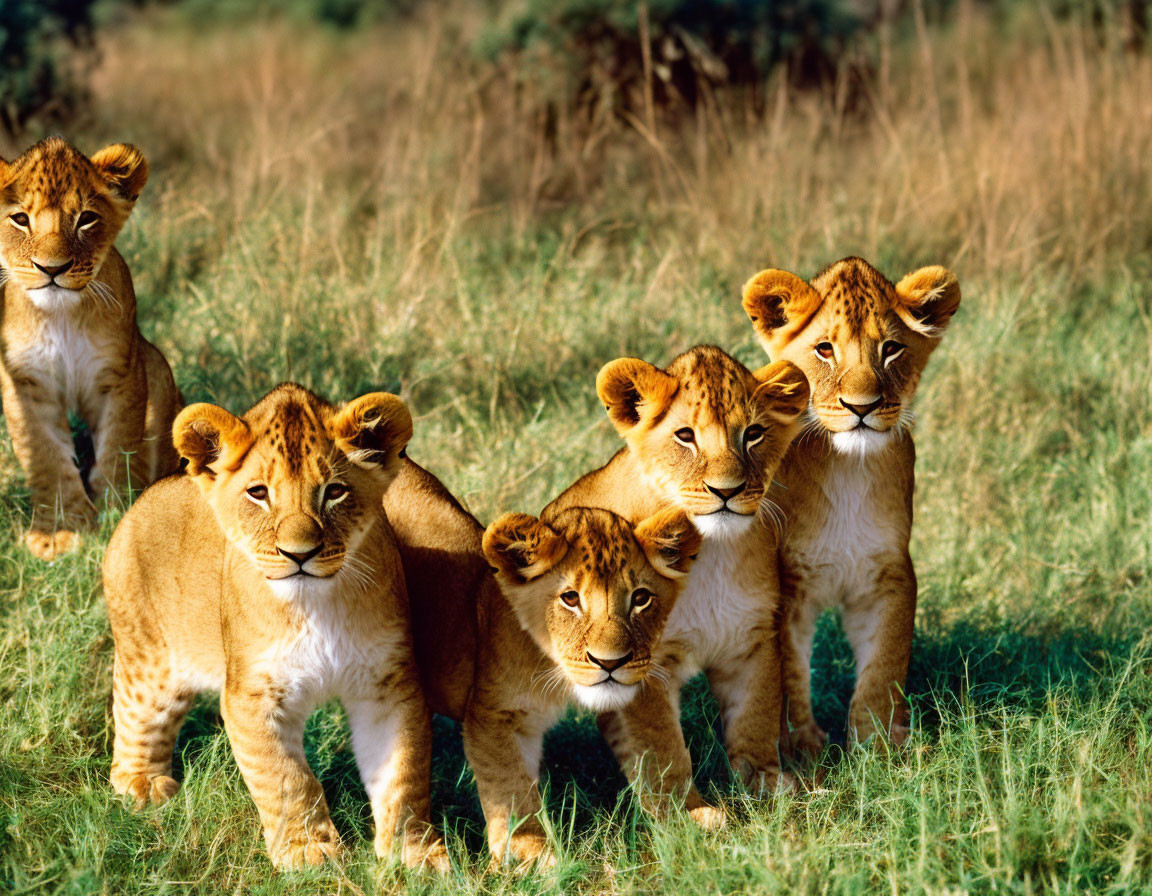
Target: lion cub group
[{"x": 301, "y": 556}]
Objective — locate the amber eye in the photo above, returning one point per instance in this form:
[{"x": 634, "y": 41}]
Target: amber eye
[
  {"x": 825, "y": 350},
  {"x": 19, "y": 219},
  {"x": 891, "y": 350},
  {"x": 685, "y": 435},
  {"x": 753, "y": 434},
  {"x": 641, "y": 598},
  {"x": 570, "y": 598},
  {"x": 258, "y": 492},
  {"x": 86, "y": 219},
  {"x": 335, "y": 492}
]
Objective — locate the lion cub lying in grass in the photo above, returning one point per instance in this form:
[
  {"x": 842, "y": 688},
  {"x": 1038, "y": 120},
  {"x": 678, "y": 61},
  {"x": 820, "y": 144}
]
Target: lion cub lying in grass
[
  {"x": 574, "y": 610},
  {"x": 68, "y": 336},
  {"x": 269, "y": 572}
]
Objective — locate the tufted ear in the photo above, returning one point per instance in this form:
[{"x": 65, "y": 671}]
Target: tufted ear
[
  {"x": 125, "y": 169},
  {"x": 633, "y": 391},
  {"x": 778, "y": 304},
  {"x": 783, "y": 389},
  {"x": 522, "y": 548},
  {"x": 372, "y": 429},
  {"x": 210, "y": 439},
  {"x": 670, "y": 541},
  {"x": 928, "y": 299}
]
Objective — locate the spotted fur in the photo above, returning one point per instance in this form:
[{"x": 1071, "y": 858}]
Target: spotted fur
[
  {"x": 269, "y": 572},
  {"x": 863, "y": 343},
  {"x": 68, "y": 336}
]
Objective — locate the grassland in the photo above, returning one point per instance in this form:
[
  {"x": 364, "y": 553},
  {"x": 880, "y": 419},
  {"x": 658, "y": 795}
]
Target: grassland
[{"x": 367, "y": 210}]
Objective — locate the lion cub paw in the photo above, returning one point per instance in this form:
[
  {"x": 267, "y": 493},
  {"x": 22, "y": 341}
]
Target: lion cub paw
[
  {"x": 146, "y": 790},
  {"x": 807, "y": 740},
  {"x": 50, "y": 545},
  {"x": 309, "y": 850},
  {"x": 526, "y": 849},
  {"x": 710, "y": 818},
  {"x": 421, "y": 852}
]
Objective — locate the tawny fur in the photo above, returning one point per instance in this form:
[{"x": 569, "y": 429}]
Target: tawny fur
[
  {"x": 848, "y": 480},
  {"x": 704, "y": 428},
  {"x": 269, "y": 572},
  {"x": 69, "y": 342},
  {"x": 503, "y": 654}
]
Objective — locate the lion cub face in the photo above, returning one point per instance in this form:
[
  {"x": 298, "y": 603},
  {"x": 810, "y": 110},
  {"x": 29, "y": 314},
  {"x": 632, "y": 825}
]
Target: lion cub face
[
  {"x": 61, "y": 214},
  {"x": 862, "y": 341},
  {"x": 295, "y": 483},
  {"x": 593, "y": 592},
  {"x": 708, "y": 432}
]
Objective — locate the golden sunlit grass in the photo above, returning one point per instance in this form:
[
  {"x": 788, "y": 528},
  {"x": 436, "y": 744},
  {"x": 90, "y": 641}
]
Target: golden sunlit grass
[{"x": 377, "y": 210}]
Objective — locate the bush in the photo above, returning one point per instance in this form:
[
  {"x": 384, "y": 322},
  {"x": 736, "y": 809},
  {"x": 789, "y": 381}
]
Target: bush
[
  {"x": 38, "y": 41},
  {"x": 695, "y": 45}
]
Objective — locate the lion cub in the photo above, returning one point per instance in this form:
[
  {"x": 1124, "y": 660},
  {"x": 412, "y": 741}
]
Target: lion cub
[
  {"x": 847, "y": 501},
  {"x": 589, "y": 596},
  {"x": 68, "y": 336},
  {"x": 705, "y": 435},
  {"x": 269, "y": 572}
]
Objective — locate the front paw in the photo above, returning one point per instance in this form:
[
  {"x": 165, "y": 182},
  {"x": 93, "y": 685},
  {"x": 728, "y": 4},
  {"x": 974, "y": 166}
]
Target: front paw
[
  {"x": 762, "y": 783},
  {"x": 313, "y": 847},
  {"x": 427, "y": 851},
  {"x": 710, "y": 818},
  {"x": 524, "y": 850},
  {"x": 806, "y": 741},
  {"x": 50, "y": 545},
  {"x": 145, "y": 790}
]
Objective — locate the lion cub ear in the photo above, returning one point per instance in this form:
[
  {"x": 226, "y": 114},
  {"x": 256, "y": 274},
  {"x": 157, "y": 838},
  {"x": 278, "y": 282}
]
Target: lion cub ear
[
  {"x": 783, "y": 390},
  {"x": 125, "y": 169},
  {"x": 670, "y": 541},
  {"x": 210, "y": 439},
  {"x": 779, "y": 304},
  {"x": 522, "y": 548},
  {"x": 633, "y": 391},
  {"x": 372, "y": 429},
  {"x": 927, "y": 300}
]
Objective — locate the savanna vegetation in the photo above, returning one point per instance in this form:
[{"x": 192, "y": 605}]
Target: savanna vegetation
[{"x": 380, "y": 206}]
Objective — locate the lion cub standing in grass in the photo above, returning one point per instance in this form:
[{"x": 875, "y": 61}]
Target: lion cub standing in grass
[
  {"x": 68, "y": 336},
  {"x": 848, "y": 480},
  {"x": 572, "y": 609},
  {"x": 705, "y": 435},
  {"x": 269, "y": 572}
]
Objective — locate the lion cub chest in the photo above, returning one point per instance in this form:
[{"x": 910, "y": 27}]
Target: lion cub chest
[
  {"x": 718, "y": 608},
  {"x": 63, "y": 358}
]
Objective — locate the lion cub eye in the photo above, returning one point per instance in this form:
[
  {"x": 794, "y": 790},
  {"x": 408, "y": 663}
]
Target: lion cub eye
[
  {"x": 685, "y": 436},
  {"x": 570, "y": 599},
  {"x": 825, "y": 351},
  {"x": 641, "y": 598},
  {"x": 86, "y": 220},
  {"x": 19, "y": 219},
  {"x": 890, "y": 351},
  {"x": 257, "y": 493},
  {"x": 753, "y": 434},
  {"x": 335, "y": 492}
]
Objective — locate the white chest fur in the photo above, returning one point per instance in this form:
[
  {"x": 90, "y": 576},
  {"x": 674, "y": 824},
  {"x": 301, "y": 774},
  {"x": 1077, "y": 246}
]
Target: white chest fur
[
  {"x": 715, "y": 608},
  {"x": 62, "y": 356}
]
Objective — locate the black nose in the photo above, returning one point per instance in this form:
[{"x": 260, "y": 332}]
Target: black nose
[
  {"x": 725, "y": 493},
  {"x": 301, "y": 558},
  {"x": 54, "y": 270},
  {"x": 862, "y": 410},
  {"x": 611, "y": 665}
]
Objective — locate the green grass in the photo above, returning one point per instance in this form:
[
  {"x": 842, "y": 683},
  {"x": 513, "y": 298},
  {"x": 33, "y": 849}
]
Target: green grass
[{"x": 358, "y": 239}]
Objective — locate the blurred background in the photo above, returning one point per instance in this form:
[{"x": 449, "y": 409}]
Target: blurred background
[{"x": 478, "y": 204}]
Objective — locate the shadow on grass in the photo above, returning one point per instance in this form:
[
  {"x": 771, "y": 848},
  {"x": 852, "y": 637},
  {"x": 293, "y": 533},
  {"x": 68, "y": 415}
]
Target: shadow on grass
[{"x": 991, "y": 668}]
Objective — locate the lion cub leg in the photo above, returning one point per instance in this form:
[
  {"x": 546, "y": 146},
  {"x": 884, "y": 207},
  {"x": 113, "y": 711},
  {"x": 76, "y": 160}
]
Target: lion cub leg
[
  {"x": 879, "y": 626},
  {"x": 392, "y": 741},
  {"x": 747, "y": 687},
  {"x": 495, "y": 742},
  {"x": 164, "y": 402},
  {"x": 42, "y": 441},
  {"x": 806, "y": 738},
  {"x": 148, "y": 710},
  {"x": 267, "y": 738},
  {"x": 117, "y": 420}
]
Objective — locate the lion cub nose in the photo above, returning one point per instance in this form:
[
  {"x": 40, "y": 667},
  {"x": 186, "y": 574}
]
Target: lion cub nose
[
  {"x": 300, "y": 558},
  {"x": 862, "y": 410},
  {"x": 608, "y": 665},
  {"x": 53, "y": 270},
  {"x": 725, "y": 493}
]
